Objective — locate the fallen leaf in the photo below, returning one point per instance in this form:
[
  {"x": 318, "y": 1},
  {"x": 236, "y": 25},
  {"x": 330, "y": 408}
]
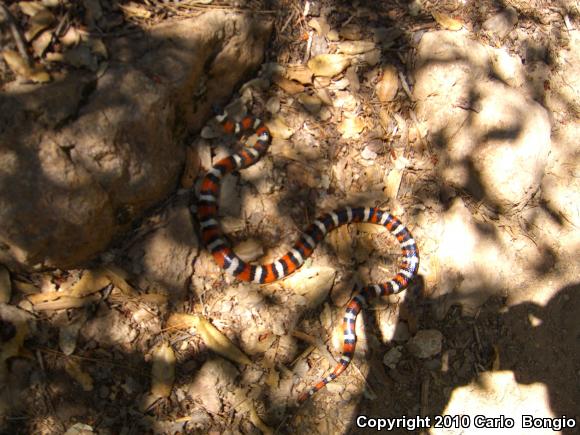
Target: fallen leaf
[
  {"x": 300, "y": 73},
  {"x": 351, "y": 127},
  {"x": 25, "y": 287},
  {"x": 133, "y": 10},
  {"x": 289, "y": 86},
  {"x": 387, "y": 87},
  {"x": 320, "y": 25},
  {"x": 16, "y": 63},
  {"x": 39, "y": 22},
  {"x": 91, "y": 282},
  {"x": 119, "y": 279},
  {"x": 5, "y": 285},
  {"x": 355, "y": 47},
  {"x": 31, "y": 8},
  {"x": 66, "y": 302},
  {"x": 328, "y": 65},
  {"x": 75, "y": 371},
  {"x": 211, "y": 336},
  {"x": 279, "y": 129},
  {"x": 219, "y": 343},
  {"x": 163, "y": 370},
  {"x": 447, "y": 22}
]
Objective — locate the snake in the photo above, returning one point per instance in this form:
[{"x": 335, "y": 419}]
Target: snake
[{"x": 217, "y": 244}]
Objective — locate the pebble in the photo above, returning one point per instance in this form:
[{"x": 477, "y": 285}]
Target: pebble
[
  {"x": 502, "y": 23},
  {"x": 426, "y": 343},
  {"x": 392, "y": 358}
]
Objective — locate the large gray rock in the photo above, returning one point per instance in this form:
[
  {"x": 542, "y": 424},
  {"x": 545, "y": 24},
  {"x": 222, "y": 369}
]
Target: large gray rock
[
  {"x": 494, "y": 140},
  {"x": 84, "y": 156}
]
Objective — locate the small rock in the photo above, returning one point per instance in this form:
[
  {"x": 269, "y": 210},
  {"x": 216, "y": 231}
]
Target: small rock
[
  {"x": 426, "y": 343},
  {"x": 368, "y": 154},
  {"x": 388, "y": 85},
  {"x": 249, "y": 250},
  {"x": 371, "y": 58},
  {"x": 392, "y": 358},
  {"x": 310, "y": 102},
  {"x": 502, "y": 23}
]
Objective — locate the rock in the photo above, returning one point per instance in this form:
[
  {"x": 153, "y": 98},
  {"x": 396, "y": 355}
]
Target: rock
[
  {"x": 109, "y": 328},
  {"x": 392, "y": 358},
  {"x": 82, "y": 157},
  {"x": 215, "y": 378},
  {"x": 165, "y": 256},
  {"x": 502, "y": 23},
  {"x": 506, "y": 129},
  {"x": 426, "y": 343},
  {"x": 388, "y": 85}
]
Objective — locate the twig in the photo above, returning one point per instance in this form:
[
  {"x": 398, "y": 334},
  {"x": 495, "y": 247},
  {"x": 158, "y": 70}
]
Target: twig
[{"x": 6, "y": 16}]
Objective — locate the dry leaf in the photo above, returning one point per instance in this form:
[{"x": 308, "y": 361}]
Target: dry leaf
[
  {"x": 388, "y": 85},
  {"x": 257, "y": 421},
  {"x": 351, "y": 127},
  {"x": 16, "y": 63},
  {"x": 134, "y": 10},
  {"x": 39, "y": 22},
  {"x": 289, "y": 86},
  {"x": 75, "y": 371},
  {"x": 279, "y": 129},
  {"x": 219, "y": 343},
  {"x": 163, "y": 370},
  {"x": 5, "y": 285},
  {"x": 328, "y": 65},
  {"x": 300, "y": 73},
  {"x": 92, "y": 281},
  {"x": 355, "y": 47},
  {"x": 119, "y": 279},
  {"x": 25, "y": 287},
  {"x": 320, "y": 25},
  {"x": 39, "y": 75},
  {"x": 447, "y": 22},
  {"x": 31, "y": 8},
  {"x": 66, "y": 302},
  {"x": 181, "y": 321}
]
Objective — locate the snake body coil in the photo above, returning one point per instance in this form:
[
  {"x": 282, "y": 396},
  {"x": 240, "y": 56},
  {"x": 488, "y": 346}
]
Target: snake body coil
[{"x": 223, "y": 254}]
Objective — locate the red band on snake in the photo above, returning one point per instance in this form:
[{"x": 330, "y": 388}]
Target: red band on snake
[{"x": 218, "y": 246}]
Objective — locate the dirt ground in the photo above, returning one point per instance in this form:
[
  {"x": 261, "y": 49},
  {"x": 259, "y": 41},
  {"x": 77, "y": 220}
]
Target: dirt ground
[{"x": 498, "y": 290}]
